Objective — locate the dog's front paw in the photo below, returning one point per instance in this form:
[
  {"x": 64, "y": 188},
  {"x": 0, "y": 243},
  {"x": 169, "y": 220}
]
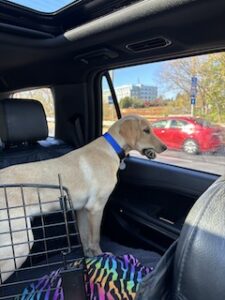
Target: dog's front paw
[
  {"x": 109, "y": 253},
  {"x": 90, "y": 252}
]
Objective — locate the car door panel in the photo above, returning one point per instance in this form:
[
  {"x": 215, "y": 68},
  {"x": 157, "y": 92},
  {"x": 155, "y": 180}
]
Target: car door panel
[
  {"x": 168, "y": 135},
  {"x": 162, "y": 130},
  {"x": 176, "y": 138},
  {"x": 151, "y": 201},
  {"x": 164, "y": 135},
  {"x": 178, "y": 135}
]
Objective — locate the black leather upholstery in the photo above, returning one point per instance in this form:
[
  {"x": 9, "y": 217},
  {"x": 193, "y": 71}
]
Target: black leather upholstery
[
  {"x": 35, "y": 152},
  {"x": 22, "y": 125},
  {"x": 199, "y": 268},
  {"x": 193, "y": 268},
  {"x": 22, "y": 121}
]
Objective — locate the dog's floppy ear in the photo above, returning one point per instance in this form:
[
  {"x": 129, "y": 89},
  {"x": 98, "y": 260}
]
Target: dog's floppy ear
[{"x": 129, "y": 130}]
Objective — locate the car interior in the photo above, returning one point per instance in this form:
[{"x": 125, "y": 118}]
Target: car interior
[{"x": 69, "y": 51}]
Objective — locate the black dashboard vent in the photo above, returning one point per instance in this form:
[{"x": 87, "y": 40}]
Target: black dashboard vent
[{"x": 149, "y": 44}]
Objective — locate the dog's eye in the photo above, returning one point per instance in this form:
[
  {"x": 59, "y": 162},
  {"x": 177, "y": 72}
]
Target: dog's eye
[{"x": 147, "y": 130}]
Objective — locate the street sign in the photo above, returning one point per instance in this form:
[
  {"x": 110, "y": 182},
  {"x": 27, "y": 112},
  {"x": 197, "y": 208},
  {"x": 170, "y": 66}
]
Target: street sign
[
  {"x": 194, "y": 82},
  {"x": 193, "y": 100},
  {"x": 110, "y": 100},
  {"x": 193, "y": 92}
]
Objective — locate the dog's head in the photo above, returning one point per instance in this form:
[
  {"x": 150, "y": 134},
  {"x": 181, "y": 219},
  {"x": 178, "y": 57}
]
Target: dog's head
[{"x": 138, "y": 135}]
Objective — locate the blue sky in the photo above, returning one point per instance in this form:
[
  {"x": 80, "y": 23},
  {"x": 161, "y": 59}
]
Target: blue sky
[
  {"x": 46, "y": 6},
  {"x": 148, "y": 74}
]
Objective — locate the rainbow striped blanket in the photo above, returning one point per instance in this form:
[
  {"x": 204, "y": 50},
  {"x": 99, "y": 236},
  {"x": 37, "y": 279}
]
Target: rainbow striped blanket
[{"x": 108, "y": 277}]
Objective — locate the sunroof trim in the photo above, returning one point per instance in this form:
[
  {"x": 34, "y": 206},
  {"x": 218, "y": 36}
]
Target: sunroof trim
[{"x": 24, "y": 7}]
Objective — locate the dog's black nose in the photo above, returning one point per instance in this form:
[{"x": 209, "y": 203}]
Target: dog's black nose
[{"x": 163, "y": 147}]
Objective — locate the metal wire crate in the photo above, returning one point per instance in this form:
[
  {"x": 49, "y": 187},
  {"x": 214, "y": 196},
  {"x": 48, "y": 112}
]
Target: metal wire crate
[{"x": 39, "y": 235}]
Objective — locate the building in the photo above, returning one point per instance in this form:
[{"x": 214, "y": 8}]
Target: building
[{"x": 138, "y": 91}]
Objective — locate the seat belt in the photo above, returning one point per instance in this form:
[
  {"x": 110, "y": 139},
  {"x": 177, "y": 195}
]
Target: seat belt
[{"x": 79, "y": 133}]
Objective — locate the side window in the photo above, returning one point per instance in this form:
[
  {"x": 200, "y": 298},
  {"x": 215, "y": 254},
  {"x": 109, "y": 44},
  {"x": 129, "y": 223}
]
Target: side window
[
  {"x": 178, "y": 124},
  {"x": 44, "y": 95},
  {"x": 189, "y": 94},
  {"x": 160, "y": 124},
  {"x": 109, "y": 112}
]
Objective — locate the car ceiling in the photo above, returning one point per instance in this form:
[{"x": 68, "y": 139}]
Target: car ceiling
[
  {"x": 34, "y": 57},
  {"x": 74, "y": 15}
]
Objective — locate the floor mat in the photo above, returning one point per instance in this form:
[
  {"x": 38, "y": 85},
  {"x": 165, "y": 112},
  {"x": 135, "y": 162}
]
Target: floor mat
[{"x": 146, "y": 258}]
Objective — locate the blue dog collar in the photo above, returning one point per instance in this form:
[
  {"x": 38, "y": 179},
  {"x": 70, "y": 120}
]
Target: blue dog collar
[{"x": 120, "y": 152}]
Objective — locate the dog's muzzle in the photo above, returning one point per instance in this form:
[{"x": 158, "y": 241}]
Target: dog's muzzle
[{"x": 149, "y": 153}]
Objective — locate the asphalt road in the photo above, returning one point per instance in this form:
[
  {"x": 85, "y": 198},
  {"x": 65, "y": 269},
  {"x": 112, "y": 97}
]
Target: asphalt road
[{"x": 212, "y": 163}]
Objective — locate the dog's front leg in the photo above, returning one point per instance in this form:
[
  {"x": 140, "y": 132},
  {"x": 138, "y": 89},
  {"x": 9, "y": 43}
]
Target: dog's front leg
[
  {"x": 94, "y": 223},
  {"x": 83, "y": 226}
]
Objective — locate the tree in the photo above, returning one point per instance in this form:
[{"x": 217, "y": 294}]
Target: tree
[
  {"x": 131, "y": 102},
  {"x": 156, "y": 102},
  {"x": 137, "y": 103},
  {"x": 180, "y": 105},
  {"x": 126, "y": 102},
  {"x": 210, "y": 70},
  {"x": 212, "y": 85}
]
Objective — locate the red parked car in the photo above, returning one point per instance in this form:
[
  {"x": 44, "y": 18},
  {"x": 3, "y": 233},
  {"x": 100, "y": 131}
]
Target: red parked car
[{"x": 193, "y": 135}]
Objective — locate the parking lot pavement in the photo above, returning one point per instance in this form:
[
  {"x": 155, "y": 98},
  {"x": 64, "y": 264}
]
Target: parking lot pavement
[{"x": 211, "y": 163}]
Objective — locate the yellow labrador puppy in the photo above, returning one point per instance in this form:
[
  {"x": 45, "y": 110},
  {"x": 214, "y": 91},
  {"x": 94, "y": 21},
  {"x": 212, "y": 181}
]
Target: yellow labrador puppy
[{"x": 90, "y": 174}]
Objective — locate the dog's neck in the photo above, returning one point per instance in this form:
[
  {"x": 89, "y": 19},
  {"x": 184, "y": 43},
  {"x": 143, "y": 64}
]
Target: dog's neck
[{"x": 120, "y": 140}]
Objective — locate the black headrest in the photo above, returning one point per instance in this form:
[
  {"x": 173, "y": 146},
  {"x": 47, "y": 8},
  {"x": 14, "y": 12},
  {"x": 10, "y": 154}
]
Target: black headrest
[
  {"x": 199, "y": 269},
  {"x": 22, "y": 121}
]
